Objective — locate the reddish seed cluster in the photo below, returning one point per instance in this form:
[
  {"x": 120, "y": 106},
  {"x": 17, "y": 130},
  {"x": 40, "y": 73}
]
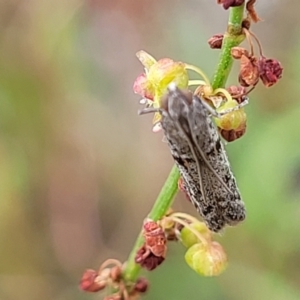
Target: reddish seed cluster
[
  {"x": 251, "y": 13},
  {"x": 230, "y": 3},
  {"x": 216, "y": 41},
  {"x": 153, "y": 252},
  {"x": 111, "y": 277},
  {"x": 253, "y": 67}
]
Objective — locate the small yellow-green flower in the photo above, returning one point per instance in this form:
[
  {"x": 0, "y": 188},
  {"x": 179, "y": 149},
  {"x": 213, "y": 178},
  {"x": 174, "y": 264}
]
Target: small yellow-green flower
[
  {"x": 153, "y": 84},
  {"x": 232, "y": 120},
  {"x": 188, "y": 238},
  {"x": 207, "y": 259}
]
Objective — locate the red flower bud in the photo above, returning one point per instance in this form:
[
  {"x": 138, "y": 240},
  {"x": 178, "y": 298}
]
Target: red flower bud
[
  {"x": 207, "y": 260},
  {"x": 91, "y": 281},
  {"x": 230, "y": 3},
  {"x": 141, "y": 285},
  {"x": 233, "y": 134},
  {"x": 238, "y": 52},
  {"x": 142, "y": 87},
  {"x": 270, "y": 70},
  {"x": 251, "y": 11},
  {"x": 215, "y": 42},
  {"x": 237, "y": 93},
  {"x": 147, "y": 259},
  {"x": 249, "y": 71},
  {"x": 155, "y": 238}
]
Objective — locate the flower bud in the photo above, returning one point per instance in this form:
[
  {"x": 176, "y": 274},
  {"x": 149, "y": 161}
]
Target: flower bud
[
  {"x": 146, "y": 59},
  {"x": 155, "y": 238},
  {"x": 270, "y": 71},
  {"x": 165, "y": 71},
  {"x": 230, "y": 3},
  {"x": 207, "y": 260},
  {"x": 249, "y": 71},
  {"x": 141, "y": 285},
  {"x": 237, "y": 92},
  {"x": 188, "y": 238},
  {"x": 142, "y": 87},
  {"x": 91, "y": 281},
  {"x": 215, "y": 42},
  {"x": 238, "y": 52},
  {"x": 158, "y": 75},
  {"x": 147, "y": 259},
  {"x": 232, "y": 135},
  {"x": 232, "y": 120}
]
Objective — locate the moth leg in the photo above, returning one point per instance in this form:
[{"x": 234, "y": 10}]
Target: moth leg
[
  {"x": 149, "y": 110},
  {"x": 216, "y": 114}
]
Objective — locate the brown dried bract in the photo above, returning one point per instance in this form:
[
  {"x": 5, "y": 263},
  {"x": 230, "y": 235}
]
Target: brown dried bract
[
  {"x": 155, "y": 238},
  {"x": 230, "y": 3},
  {"x": 249, "y": 71},
  {"x": 251, "y": 11},
  {"x": 216, "y": 41},
  {"x": 237, "y": 92},
  {"x": 141, "y": 285},
  {"x": 270, "y": 71},
  {"x": 246, "y": 23},
  {"x": 238, "y": 52},
  {"x": 147, "y": 259},
  {"x": 92, "y": 281},
  {"x": 153, "y": 252},
  {"x": 232, "y": 135}
]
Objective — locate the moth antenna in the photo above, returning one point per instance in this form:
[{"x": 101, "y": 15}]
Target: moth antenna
[{"x": 148, "y": 110}]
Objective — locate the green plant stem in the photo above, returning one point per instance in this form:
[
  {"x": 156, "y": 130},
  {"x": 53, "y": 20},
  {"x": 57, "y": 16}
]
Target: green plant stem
[
  {"x": 232, "y": 38},
  {"x": 159, "y": 209}
]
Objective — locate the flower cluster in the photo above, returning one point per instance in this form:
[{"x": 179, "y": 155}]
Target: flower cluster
[
  {"x": 152, "y": 84},
  {"x": 251, "y": 13},
  {"x": 109, "y": 278},
  {"x": 153, "y": 252},
  {"x": 203, "y": 255},
  {"x": 230, "y": 3}
]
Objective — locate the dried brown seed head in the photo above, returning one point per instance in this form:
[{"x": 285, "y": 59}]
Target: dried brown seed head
[
  {"x": 141, "y": 285},
  {"x": 230, "y": 3},
  {"x": 232, "y": 135},
  {"x": 215, "y": 42},
  {"x": 115, "y": 273},
  {"x": 147, "y": 259},
  {"x": 270, "y": 71},
  {"x": 237, "y": 92},
  {"x": 238, "y": 52},
  {"x": 246, "y": 23},
  {"x": 92, "y": 282},
  {"x": 249, "y": 71},
  {"x": 251, "y": 11}
]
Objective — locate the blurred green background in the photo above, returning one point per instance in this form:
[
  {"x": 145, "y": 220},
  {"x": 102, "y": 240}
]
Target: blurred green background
[{"x": 80, "y": 170}]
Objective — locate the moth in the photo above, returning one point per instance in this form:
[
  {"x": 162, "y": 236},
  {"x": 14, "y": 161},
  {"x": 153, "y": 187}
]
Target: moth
[{"x": 200, "y": 156}]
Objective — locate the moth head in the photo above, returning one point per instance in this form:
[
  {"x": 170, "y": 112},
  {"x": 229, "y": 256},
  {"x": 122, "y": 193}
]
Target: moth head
[{"x": 175, "y": 98}]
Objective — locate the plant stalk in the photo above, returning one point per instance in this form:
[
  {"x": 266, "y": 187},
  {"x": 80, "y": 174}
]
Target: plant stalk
[{"x": 232, "y": 38}]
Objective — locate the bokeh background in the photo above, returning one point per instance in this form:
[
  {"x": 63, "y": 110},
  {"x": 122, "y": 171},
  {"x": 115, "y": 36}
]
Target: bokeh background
[{"x": 79, "y": 169}]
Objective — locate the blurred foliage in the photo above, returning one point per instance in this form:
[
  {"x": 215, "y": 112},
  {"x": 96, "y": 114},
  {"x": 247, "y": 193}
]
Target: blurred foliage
[{"x": 80, "y": 170}]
